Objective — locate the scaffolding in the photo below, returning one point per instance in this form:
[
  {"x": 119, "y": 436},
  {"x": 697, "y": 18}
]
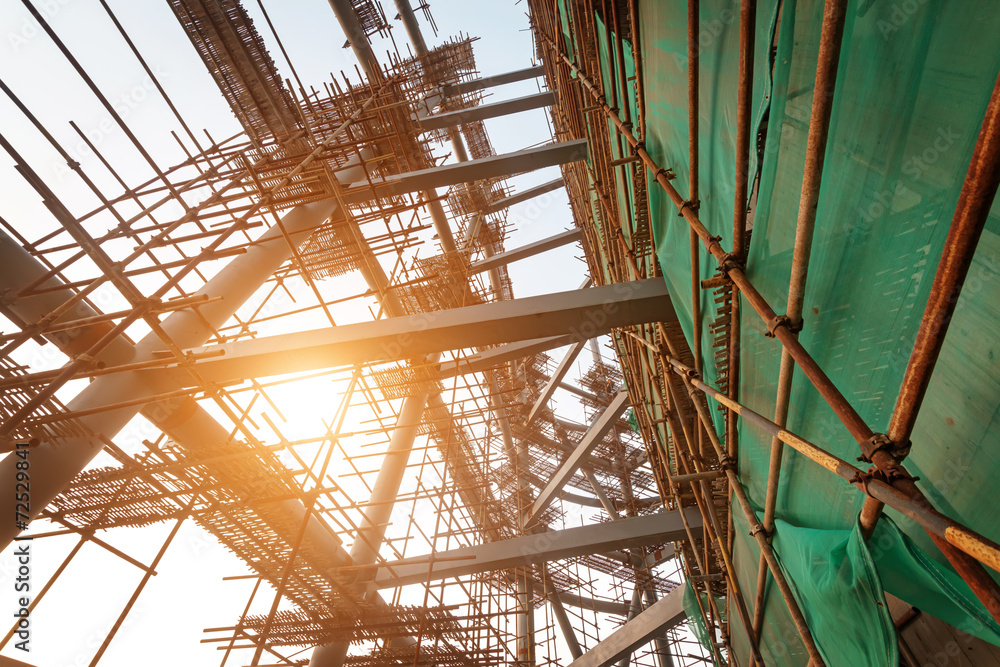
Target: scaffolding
[
  {"x": 260, "y": 234},
  {"x": 246, "y": 334}
]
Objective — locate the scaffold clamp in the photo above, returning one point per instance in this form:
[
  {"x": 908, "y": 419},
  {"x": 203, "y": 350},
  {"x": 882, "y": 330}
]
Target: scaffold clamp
[
  {"x": 782, "y": 321},
  {"x": 877, "y": 443},
  {"x": 693, "y": 205}
]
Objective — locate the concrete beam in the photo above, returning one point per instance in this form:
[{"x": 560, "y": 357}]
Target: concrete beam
[
  {"x": 531, "y": 549},
  {"x": 573, "y": 462},
  {"x": 582, "y": 393},
  {"x": 525, "y": 195},
  {"x": 580, "y": 313},
  {"x": 529, "y": 250},
  {"x": 495, "y": 166},
  {"x": 557, "y": 376},
  {"x": 495, "y": 80},
  {"x": 493, "y": 357},
  {"x": 484, "y": 111},
  {"x": 600, "y": 606},
  {"x": 667, "y": 613}
]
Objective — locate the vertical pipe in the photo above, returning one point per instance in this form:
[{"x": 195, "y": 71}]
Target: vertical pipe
[
  {"x": 693, "y": 74},
  {"x": 371, "y": 531},
  {"x": 563, "y": 620},
  {"x": 828, "y": 60},
  {"x": 411, "y": 26},
  {"x": 971, "y": 212},
  {"x": 748, "y": 18}
]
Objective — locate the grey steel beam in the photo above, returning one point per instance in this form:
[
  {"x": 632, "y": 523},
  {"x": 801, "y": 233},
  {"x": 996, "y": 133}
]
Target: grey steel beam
[
  {"x": 582, "y": 393},
  {"x": 573, "y": 462},
  {"x": 557, "y": 376},
  {"x": 555, "y": 601},
  {"x": 524, "y": 196},
  {"x": 529, "y": 250},
  {"x": 495, "y": 80},
  {"x": 567, "y": 447},
  {"x": 667, "y": 613},
  {"x": 600, "y": 606},
  {"x": 531, "y": 549},
  {"x": 487, "y": 359},
  {"x": 564, "y": 495},
  {"x": 582, "y": 313},
  {"x": 482, "y": 112},
  {"x": 465, "y": 172},
  {"x": 357, "y": 39},
  {"x": 58, "y": 462}
]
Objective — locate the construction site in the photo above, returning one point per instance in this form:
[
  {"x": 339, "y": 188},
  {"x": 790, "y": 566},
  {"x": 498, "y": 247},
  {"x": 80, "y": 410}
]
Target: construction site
[{"x": 622, "y": 332}]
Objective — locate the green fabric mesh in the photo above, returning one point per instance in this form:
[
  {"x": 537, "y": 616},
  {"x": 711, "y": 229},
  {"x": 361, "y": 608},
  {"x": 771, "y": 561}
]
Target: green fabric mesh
[
  {"x": 913, "y": 84},
  {"x": 914, "y": 80}
]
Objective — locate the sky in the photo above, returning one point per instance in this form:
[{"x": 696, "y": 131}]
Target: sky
[{"x": 188, "y": 593}]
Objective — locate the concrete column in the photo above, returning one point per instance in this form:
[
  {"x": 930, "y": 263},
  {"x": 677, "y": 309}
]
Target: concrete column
[
  {"x": 356, "y": 37},
  {"x": 54, "y": 464},
  {"x": 182, "y": 419},
  {"x": 371, "y": 532}
]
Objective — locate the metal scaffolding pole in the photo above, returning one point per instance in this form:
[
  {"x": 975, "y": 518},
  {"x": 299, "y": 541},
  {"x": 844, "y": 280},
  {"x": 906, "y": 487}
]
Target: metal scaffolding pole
[
  {"x": 608, "y": 537},
  {"x": 55, "y": 464}
]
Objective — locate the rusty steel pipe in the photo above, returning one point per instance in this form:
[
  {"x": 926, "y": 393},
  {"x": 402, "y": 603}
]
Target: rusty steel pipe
[
  {"x": 692, "y": 44},
  {"x": 935, "y": 523},
  {"x": 973, "y": 208},
  {"x": 985, "y": 588},
  {"x": 831, "y": 39}
]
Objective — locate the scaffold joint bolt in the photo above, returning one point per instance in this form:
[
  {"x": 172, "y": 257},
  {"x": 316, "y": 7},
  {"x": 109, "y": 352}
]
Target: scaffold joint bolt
[
  {"x": 782, "y": 321},
  {"x": 730, "y": 261},
  {"x": 693, "y": 205},
  {"x": 667, "y": 173},
  {"x": 877, "y": 443},
  {"x": 759, "y": 528}
]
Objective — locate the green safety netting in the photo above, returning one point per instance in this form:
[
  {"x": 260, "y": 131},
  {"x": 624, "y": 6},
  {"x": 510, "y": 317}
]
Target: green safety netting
[
  {"x": 694, "y": 611},
  {"x": 914, "y": 80}
]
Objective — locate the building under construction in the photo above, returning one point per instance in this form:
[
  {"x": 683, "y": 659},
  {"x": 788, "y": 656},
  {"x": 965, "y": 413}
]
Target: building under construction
[{"x": 761, "y": 431}]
